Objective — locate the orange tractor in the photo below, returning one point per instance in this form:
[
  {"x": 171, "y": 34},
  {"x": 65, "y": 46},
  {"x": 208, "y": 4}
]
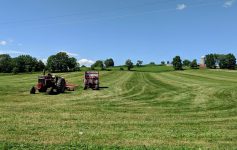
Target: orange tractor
[{"x": 51, "y": 85}]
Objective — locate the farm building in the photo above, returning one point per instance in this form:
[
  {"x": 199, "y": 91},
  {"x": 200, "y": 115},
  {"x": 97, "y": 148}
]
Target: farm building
[{"x": 202, "y": 62}]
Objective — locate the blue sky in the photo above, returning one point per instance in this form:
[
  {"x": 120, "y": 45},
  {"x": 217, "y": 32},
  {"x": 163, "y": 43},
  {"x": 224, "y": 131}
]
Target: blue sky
[{"x": 148, "y": 30}]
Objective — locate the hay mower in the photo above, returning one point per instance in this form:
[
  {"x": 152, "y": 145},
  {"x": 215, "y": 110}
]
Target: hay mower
[{"x": 91, "y": 80}]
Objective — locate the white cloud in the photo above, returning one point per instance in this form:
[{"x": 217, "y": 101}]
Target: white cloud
[
  {"x": 181, "y": 6},
  {"x": 86, "y": 62},
  {"x": 228, "y": 3},
  {"x": 69, "y": 53},
  {"x": 44, "y": 60},
  {"x": 3, "y": 43},
  {"x": 12, "y": 52}
]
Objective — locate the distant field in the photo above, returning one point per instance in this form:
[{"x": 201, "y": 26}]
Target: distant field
[
  {"x": 146, "y": 68},
  {"x": 152, "y": 107}
]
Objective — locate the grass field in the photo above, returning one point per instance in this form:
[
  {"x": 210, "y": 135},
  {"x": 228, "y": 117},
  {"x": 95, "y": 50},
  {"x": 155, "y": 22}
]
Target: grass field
[{"x": 140, "y": 109}]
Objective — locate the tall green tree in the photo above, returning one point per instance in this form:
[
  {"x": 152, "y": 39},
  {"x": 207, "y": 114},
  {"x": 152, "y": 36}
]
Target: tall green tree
[
  {"x": 100, "y": 64},
  {"x": 6, "y": 65},
  {"x": 52, "y": 63},
  {"x": 177, "y": 63},
  {"x": 162, "y": 62},
  {"x": 211, "y": 61},
  {"x": 73, "y": 65},
  {"x": 25, "y": 63},
  {"x": 109, "y": 63},
  {"x": 186, "y": 63},
  {"x": 231, "y": 61},
  {"x": 223, "y": 62},
  {"x": 61, "y": 62},
  {"x": 227, "y": 61},
  {"x": 194, "y": 64},
  {"x": 152, "y": 63},
  {"x": 129, "y": 64},
  {"x": 139, "y": 63},
  {"x": 40, "y": 66}
]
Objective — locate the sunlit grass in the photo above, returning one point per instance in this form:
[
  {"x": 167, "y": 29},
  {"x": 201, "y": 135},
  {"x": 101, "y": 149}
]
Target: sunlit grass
[{"x": 152, "y": 107}]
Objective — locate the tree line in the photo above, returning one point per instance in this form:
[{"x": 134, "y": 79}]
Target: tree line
[
  {"x": 110, "y": 63},
  {"x": 178, "y": 64},
  {"x": 103, "y": 64},
  {"x": 62, "y": 62},
  {"x": 22, "y": 63},
  {"x": 221, "y": 61},
  {"x": 212, "y": 61}
]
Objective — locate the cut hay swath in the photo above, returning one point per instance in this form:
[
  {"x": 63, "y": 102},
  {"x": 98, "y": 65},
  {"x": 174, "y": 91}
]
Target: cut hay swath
[{"x": 139, "y": 109}]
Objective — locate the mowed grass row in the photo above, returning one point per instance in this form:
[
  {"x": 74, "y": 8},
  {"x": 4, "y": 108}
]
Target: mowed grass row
[{"x": 134, "y": 110}]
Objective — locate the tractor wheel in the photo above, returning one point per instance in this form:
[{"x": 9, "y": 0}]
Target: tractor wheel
[
  {"x": 61, "y": 85},
  {"x": 50, "y": 91},
  {"x": 32, "y": 90},
  {"x": 42, "y": 90},
  {"x": 96, "y": 87}
]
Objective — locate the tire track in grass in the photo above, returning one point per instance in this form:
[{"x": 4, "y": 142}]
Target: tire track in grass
[
  {"x": 215, "y": 77},
  {"x": 120, "y": 98},
  {"x": 195, "y": 89},
  {"x": 221, "y": 75},
  {"x": 151, "y": 89},
  {"x": 116, "y": 86},
  {"x": 115, "y": 82},
  {"x": 223, "y": 87},
  {"x": 133, "y": 86},
  {"x": 206, "y": 95},
  {"x": 192, "y": 85},
  {"x": 146, "y": 90},
  {"x": 172, "y": 95},
  {"x": 224, "y": 99},
  {"x": 125, "y": 102},
  {"x": 138, "y": 87},
  {"x": 110, "y": 80},
  {"x": 106, "y": 99},
  {"x": 201, "y": 92},
  {"x": 203, "y": 89},
  {"x": 126, "y": 121},
  {"x": 134, "y": 89},
  {"x": 203, "y": 79},
  {"x": 160, "y": 86}
]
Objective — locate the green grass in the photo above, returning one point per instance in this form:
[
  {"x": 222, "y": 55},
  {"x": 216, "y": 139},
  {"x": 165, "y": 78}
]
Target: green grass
[{"x": 150, "y": 108}]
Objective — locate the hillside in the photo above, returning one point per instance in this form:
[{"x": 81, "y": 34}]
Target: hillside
[{"x": 152, "y": 107}]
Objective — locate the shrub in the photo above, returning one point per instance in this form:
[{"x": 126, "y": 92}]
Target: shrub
[
  {"x": 129, "y": 64},
  {"x": 177, "y": 63},
  {"x": 194, "y": 64},
  {"x": 15, "y": 70}
]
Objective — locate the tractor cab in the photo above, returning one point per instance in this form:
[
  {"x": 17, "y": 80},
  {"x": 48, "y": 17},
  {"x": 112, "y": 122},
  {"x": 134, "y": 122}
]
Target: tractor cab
[{"x": 45, "y": 82}]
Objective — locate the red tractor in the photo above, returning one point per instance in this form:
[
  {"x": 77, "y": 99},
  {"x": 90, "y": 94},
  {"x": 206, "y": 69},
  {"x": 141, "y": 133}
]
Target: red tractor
[{"x": 51, "y": 85}]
